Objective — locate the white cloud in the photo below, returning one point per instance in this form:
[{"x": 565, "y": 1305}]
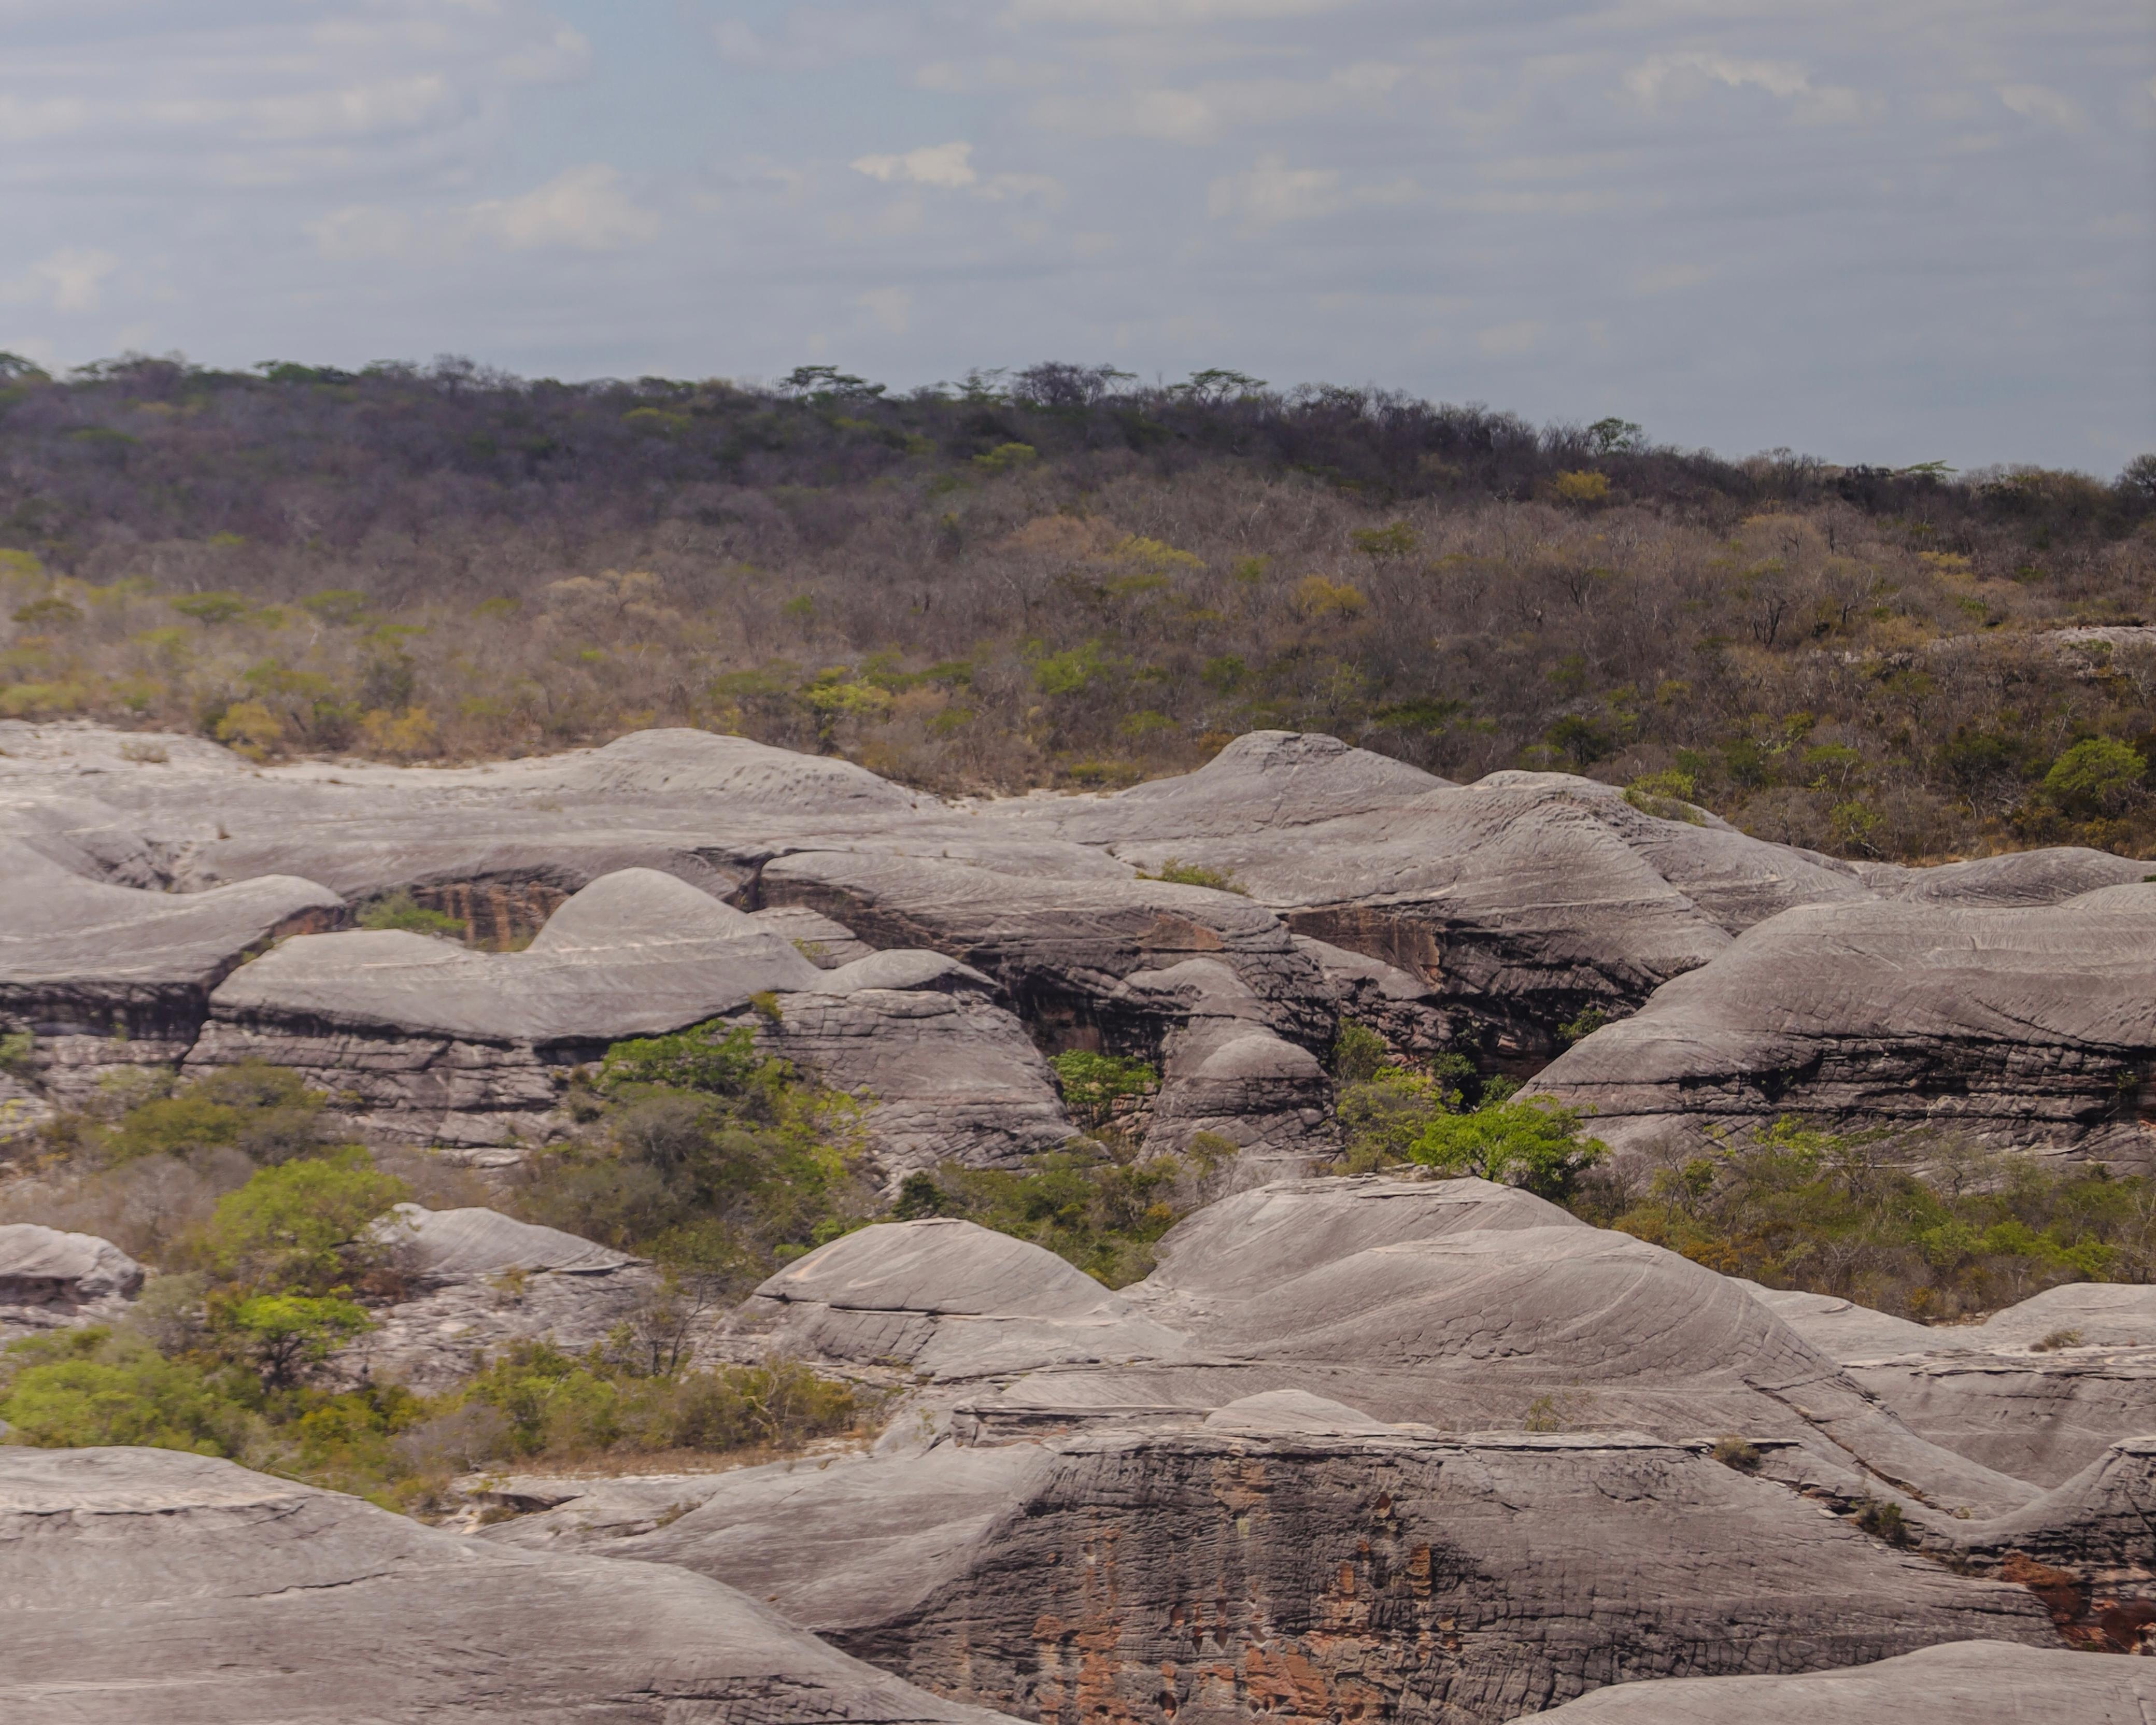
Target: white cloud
[
  {"x": 563, "y": 56},
  {"x": 52, "y": 116},
  {"x": 1667, "y": 80},
  {"x": 892, "y": 307},
  {"x": 2032, "y": 101},
  {"x": 70, "y": 279},
  {"x": 585, "y": 209},
  {"x": 1272, "y": 193},
  {"x": 362, "y": 231},
  {"x": 951, "y": 167},
  {"x": 1201, "y": 114},
  {"x": 1506, "y": 340},
  {"x": 931, "y": 165}
]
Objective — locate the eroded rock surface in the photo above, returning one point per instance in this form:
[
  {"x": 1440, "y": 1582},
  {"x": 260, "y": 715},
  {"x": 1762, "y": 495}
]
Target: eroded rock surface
[
  {"x": 2023, "y": 1026},
  {"x": 51, "y": 1279},
  {"x": 478, "y": 1280},
  {"x": 1290, "y": 1555},
  {"x": 149, "y": 1584}
]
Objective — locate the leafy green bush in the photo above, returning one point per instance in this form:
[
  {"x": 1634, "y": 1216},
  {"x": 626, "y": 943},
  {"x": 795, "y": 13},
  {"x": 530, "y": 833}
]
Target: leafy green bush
[
  {"x": 1359, "y": 1053},
  {"x": 710, "y": 1058},
  {"x": 264, "y": 1112},
  {"x": 280, "y": 1335},
  {"x": 1092, "y": 1084},
  {"x": 69, "y": 1388},
  {"x": 562, "y": 1405},
  {"x": 1179, "y": 873},
  {"x": 401, "y": 911},
  {"x": 1099, "y": 1213},
  {"x": 2098, "y": 775},
  {"x": 705, "y": 1154},
  {"x": 1534, "y": 1144}
]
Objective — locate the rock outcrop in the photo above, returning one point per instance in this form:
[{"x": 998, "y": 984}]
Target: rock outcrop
[
  {"x": 476, "y": 1281},
  {"x": 1947, "y": 1684},
  {"x": 1525, "y": 898},
  {"x": 2028, "y": 1027},
  {"x": 105, "y": 977},
  {"x": 149, "y": 1584},
  {"x": 1288, "y": 1555}
]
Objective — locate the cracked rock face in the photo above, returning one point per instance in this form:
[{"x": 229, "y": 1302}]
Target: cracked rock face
[
  {"x": 1288, "y": 1555},
  {"x": 148, "y": 1584},
  {"x": 2022, "y": 1026}
]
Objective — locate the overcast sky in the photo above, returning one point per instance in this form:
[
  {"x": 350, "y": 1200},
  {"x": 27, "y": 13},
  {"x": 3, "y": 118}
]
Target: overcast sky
[{"x": 1882, "y": 230}]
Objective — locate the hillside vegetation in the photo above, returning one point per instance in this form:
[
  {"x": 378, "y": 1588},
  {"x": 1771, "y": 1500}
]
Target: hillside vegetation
[{"x": 1054, "y": 578}]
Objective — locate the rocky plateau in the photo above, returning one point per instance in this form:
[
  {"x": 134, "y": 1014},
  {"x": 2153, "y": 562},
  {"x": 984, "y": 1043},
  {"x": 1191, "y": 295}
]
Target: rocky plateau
[{"x": 1359, "y": 1447}]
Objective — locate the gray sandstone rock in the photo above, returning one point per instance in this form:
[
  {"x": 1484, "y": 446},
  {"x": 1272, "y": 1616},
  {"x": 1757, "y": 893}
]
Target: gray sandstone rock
[
  {"x": 52, "y": 1280},
  {"x": 107, "y": 977},
  {"x": 1523, "y": 899},
  {"x": 1947, "y": 1684},
  {"x": 950, "y": 1300},
  {"x": 481, "y": 1281},
  {"x": 148, "y": 1584},
  {"x": 1456, "y": 1304},
  {"x": 2020, "y": 1027},
  {"x": 1271, "y": 1559}
]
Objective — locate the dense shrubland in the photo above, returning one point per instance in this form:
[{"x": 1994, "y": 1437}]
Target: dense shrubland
[
  {"x": 1053, "y": 578},
  {"x": 276, "y": 1244}
]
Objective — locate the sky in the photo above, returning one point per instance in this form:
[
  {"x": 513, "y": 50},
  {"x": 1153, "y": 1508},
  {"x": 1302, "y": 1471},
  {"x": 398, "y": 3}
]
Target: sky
[{"x": 1870, "y": 230}]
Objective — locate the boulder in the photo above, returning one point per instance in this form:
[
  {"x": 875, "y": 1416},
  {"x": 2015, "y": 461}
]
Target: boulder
[
  {"x": 946, "y": 1073},
  {"x": 950, "y": 1300},
  {"x": 2024, "y": 1027},
  {"x": 477, "y": 1281},
  {"x": 150, "y": 1585},
  {"x": 52, "y": 1280},
  {"x": 1946, "y": 1685}
]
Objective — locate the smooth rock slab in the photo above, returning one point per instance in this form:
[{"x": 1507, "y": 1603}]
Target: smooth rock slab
[
  {"x": 145, "y": 1584},
  {"x": 1954, "y": 1684}
]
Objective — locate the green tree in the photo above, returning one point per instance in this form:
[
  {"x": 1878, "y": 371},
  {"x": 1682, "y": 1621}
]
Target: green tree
[
  {"x": 303, "y": 1226},
  {"x": 2098, "y": 775},
  {"x": 280, "y": 1335},
  {"x": 1534, "y": 1144}
]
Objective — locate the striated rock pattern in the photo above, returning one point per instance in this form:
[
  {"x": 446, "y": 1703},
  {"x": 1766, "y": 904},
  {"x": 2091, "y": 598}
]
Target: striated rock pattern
[
  {"x": 2021, "y": 1026},
  {"x": 147, "y": 1584},
  {"x": 1288, "y": 1556},
  {"x": 106, "y": 977}
]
